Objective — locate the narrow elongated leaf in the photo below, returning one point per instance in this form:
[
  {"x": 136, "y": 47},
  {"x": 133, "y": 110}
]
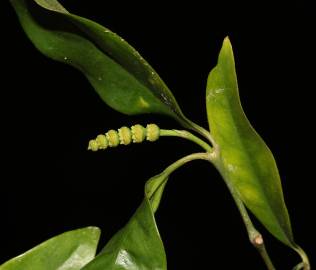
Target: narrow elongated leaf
[
  {"x": 122, "y": 78},
  {"x": 138, "y": 245},
  {"x": 68, "y": 251},
  {"x": 244, "y": 159}
]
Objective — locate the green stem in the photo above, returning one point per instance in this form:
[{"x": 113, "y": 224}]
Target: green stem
[
  {"x": 158, "y": 181},
  {"x": 186, "y": 135},
  {"x": 305, "y": 265},
  {"x": 201, "y": 131},
  {"x": 254, "y": 236},
  {"x": 180, "y": 162}
]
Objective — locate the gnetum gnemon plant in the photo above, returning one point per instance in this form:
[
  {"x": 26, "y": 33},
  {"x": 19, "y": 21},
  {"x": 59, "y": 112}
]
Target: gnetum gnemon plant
[{"x": 128, "y": 84}]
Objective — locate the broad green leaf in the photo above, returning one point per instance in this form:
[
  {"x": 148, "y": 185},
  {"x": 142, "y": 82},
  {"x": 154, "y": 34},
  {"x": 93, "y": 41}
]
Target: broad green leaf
[
  {"x": 68, "y": 251},
  {"x": 138, "y": 245},
  {"x": 244, "y": 158},
  {"x": 122, "y": 78}
]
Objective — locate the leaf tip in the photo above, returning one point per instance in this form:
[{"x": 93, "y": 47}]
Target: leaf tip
[
  {"x": 227, "y": 46},
  {"x": 227, "y": 40},
  {"x": 226, "y": 54},
  {"x": 95, "y": 232}
]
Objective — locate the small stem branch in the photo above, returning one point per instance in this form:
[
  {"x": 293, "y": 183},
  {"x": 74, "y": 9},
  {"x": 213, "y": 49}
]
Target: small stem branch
[
  {"x": 305, "y": 264},
  {"x": 186, "y": 135},
  {"x": 180, "y": 162},
  {"x": 202, "y": 131},
  {"x": 264, "y": 255},
  {"x": 254, "y": 236},
  {"x": 162, "y": 177}
]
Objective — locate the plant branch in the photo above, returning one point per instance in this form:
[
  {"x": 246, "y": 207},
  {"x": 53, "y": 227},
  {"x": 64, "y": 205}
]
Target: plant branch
[
  {"x": 186, "y": 135},
  {"x": 202, "y": 131},
  {"x": 180, "y": 162},
  {"x": 254, "y": 236},
  {"x": 305, "y": 265}
]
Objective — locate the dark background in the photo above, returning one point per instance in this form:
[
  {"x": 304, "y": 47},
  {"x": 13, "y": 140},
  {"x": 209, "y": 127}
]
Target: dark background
[{"x": 50, "y": 183}]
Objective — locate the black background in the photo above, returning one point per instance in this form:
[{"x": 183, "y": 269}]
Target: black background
[{"x": 50, "y": 183}]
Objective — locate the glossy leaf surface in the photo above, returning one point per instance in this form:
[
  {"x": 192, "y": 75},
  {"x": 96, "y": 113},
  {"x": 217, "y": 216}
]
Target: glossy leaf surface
[
  {"x": 138, "y": 245},
  {"x": 68, "y": 251},
  {"x": 245, "y": 160},
  {"x": 122, "y": 78}
]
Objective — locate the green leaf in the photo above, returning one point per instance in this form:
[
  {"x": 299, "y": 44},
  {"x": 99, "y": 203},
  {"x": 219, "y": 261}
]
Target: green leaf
[
  {"x": 244, "y": 158},
  {"x": 68, "y": 251},
  {"x": 138, "y": 245},
  {"x": 122, "y": 78}
]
